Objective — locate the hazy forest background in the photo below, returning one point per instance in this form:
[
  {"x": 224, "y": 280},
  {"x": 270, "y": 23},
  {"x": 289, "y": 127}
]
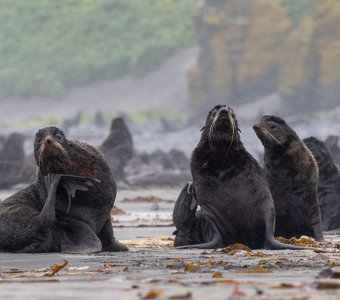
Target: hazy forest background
[{"x": 246, "y": 49}]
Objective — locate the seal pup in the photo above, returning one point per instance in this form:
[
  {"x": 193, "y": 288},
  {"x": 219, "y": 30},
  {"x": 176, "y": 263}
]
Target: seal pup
[
  {"x": 292, "y": 174},
  {"x": 231, "y": 190},
  {"x": 328, "y": 183},
  {"x": 81, "y": 225}
]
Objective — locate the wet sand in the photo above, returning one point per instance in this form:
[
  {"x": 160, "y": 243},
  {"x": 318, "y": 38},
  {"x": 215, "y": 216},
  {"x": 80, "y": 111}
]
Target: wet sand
[{"x": 152, "y": 269}]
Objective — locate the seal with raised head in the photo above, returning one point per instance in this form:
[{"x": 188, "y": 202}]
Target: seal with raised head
[
  {"x": 292, "y": 174},
  {"x": 328, "y": 183},
  {"x": 117, "y": 148},
  {"x": 44, "y": 218},
  {"x": 235, "y": 202}
]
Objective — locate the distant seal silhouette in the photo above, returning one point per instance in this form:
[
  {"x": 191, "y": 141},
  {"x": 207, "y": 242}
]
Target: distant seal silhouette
[
  {"x": 12, "y": 173},
  {"x": 44, "y": 218},
  {"x": 117, "y": 148},
  {"x": 328, "y": 183},
  {"x": 292, "y": 175},
  {"x": 332, "y": 142},
  {"x": 13, "y": 148},
  {"x": 231, "y": 190}
]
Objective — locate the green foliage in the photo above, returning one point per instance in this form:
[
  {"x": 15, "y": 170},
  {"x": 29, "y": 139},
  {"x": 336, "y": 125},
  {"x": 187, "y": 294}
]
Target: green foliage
[
  {"x": 46, "y": 46},
  {"x": 155, "y": 114},
  {"x": 297, "y": 10},
  {"x": 35, "y": 122}
]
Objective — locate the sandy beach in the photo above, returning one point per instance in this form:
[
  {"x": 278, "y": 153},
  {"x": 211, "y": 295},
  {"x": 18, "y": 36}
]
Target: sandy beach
[{"x": 152, "y": 269}]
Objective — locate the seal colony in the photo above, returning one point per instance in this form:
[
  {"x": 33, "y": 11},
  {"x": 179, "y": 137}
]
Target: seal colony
[
  {"x": 292, "y": 174},
  {"x": 68, "y": 208},
  {"x": 231, "y": 199},
  {"x": 236, "y": 205}
]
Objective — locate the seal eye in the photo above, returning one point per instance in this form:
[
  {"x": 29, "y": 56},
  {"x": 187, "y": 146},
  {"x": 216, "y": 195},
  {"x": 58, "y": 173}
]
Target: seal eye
[
  {"x": 272, "y": 127},
  {"x": 58, "y": 136}
]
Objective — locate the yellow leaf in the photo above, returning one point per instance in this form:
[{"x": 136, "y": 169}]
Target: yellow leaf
[
  {"x": 217, "y": 275},
  {"x": 191, "y": 267},
  {"x": 56, "y": 268},
  {"x": 152, "y": 294}
]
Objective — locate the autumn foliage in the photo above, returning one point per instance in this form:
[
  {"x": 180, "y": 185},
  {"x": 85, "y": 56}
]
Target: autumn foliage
[{"x": 252, "y": 48}]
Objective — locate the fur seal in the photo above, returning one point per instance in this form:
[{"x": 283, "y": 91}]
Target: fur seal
[
  {"x": 192, "y": 228},
  {"x": 12, "y": 173},
  {"x": 328, "y": 183},
  {"x": 231, "y": 190},
  {"x": 42, "y": 217},
  {"x": 117, "y": 148},
  {"x": 332, "y": 142},
  {"x": 292, "y": 174},
  {"x": 13, "y": 148}
]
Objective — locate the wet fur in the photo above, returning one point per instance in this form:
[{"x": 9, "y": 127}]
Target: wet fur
[
  {"x": 328, "y": 184},
  {"x": 230, "y": 188},
  {"x": 292, "y": 174},
  {"x": 86, "y": 227}
]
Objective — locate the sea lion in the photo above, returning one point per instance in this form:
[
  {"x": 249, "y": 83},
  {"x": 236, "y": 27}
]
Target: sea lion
[
  {"x": 292, "y": 174},
  {"x": 42, "y": 217},
  {"x": 328, "y": 183},
  {"x": 117, "y": 148},
  {"x": 231, "y": 190}
]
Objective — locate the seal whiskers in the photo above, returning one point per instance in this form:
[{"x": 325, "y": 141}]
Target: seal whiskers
[
  {"x": 292, "y": 175},
  {"x": 231, "y": 190}
]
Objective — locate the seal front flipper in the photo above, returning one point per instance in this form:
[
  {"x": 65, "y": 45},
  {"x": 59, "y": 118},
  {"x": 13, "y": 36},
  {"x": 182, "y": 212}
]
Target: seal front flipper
[
  {"x": 47, "y": 215},
  {"x": 73, "y": 183}
]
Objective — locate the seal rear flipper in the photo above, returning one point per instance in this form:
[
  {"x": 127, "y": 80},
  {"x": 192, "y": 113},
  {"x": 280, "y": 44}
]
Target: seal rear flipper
[
  {"x": 109, "y": 242},
  {"x": 214, "y": 243},
  {"x": 272, "y": 244},
  {"x": 185, "y": 208},
  {"x": 78, "y": 237}
]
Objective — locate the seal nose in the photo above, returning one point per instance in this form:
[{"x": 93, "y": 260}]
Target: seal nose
[
  {"x": 48, "y": 140},
  {"x": 223, "y": 112},
  {"x": 257, "y": 128}
]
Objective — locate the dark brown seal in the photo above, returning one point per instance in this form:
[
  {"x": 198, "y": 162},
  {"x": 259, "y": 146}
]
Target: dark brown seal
[
  {"x": 292, "y": 175},
  {"x": 42, "y": 217},
  {"x": 231, "y": 191},
  {"x": 13, "y": 148},
  {"x": 118, "y": 148},
  {"x": 328, "y": 183}
]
